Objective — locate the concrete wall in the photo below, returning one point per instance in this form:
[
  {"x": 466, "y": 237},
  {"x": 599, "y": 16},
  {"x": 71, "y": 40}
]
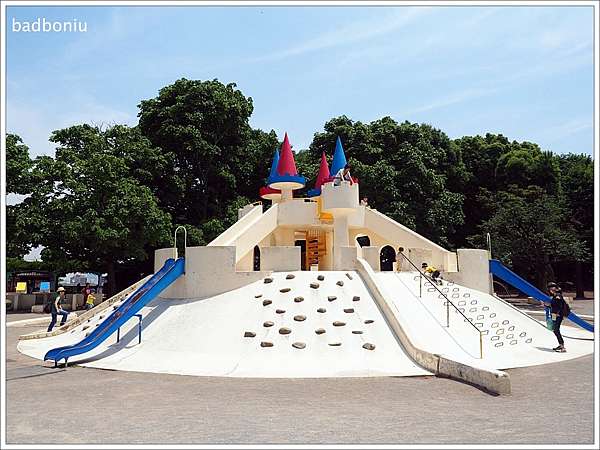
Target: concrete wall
[
  {"x": 297, "y": 212},
  {"x": 284, "y": 237},
  {"x": 246, "y": 264},
  {"x": 473, "y": 270},
  {"x": 280, "y": 258},
  {"x": 27, "y": 302},
  {"x": 371, "y": 256},
  {"x": 338, "y": 198},
  {"x": 384, "y": 231},
  {"x": 420, "y": 255},
  {"x": 326, "y": 263},
  {"x": 233, "y": 232},
  {"x": 208, "y": 271},
  {"x": 348, "y": 258}
]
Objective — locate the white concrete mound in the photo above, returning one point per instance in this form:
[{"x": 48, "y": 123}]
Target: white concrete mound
[{"x": 206, "y": 336}]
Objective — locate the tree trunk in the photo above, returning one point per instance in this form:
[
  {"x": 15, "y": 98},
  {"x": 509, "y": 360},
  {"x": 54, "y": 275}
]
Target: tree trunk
[
  {"x": 112, "y": 282},
  {"x": 580, "y": 294}
]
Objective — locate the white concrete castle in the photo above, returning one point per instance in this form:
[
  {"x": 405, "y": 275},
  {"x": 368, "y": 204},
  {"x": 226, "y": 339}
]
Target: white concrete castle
[{"x": 309, "y": 288}]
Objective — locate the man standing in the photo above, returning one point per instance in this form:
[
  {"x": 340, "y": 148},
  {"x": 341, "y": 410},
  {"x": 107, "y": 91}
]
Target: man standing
[
  {"x": 55, "y": 309},
  {"x": 560, "y": 309}
]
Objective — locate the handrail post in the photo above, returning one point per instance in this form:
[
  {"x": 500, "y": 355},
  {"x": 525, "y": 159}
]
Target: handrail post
[
  {"x": 175, "y": 240},
  {"x": 139, "y": 316},
  {"x": 447, "y": 313},
  {"x": 420, "y": 284},
  {"x": 480, "y": 345}
]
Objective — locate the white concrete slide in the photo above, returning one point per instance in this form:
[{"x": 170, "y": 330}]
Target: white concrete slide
[
  {"x": 283, "y": 328},
  {"x": 425, "y": 339}
]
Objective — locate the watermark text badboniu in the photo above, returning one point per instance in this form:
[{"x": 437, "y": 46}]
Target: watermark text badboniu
[{"x": 41, "y": 25}]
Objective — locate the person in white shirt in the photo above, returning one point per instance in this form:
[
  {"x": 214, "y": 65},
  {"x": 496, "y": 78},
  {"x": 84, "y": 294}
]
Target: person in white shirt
[{"x": 342, "y": 175}]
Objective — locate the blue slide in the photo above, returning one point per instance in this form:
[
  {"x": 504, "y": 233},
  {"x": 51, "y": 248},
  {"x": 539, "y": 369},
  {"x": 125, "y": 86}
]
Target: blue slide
[
  {"x": 137, "y": 300},
  {"x": 501, "y": 271}
]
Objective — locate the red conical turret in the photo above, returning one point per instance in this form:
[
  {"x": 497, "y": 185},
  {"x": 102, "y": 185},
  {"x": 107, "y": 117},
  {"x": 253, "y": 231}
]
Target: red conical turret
[
  {"x": 287, "y": 164},
  {"x": 322, "y": 177},
  {"x": 323, "y": 172},
  {"x": 287, "y": 177}
]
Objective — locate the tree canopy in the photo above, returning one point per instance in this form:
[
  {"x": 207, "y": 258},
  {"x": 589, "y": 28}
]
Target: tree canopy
[{"x": 110, "y": 196}]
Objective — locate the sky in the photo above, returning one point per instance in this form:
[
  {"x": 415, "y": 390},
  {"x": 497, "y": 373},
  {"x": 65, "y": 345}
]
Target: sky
[{"x": 525, "y": 72}]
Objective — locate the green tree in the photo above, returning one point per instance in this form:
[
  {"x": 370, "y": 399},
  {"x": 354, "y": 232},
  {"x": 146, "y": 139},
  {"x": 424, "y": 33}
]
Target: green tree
[
  {"x": 492, "y": 164},
  {"x": 18, "y": 166},
  {"x": 18, "y": 181},
  {"x": 403, "y": 168},
  {"x": 529, "y": 231},
  {"x": 202, "y": 128},
  {"x": 88, "y": 209},
  {"x": 577, "y": 181}
]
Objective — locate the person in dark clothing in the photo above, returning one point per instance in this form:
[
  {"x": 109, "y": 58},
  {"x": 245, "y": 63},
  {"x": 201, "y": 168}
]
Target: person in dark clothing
[
  {"x": 55, "y": 309},
  {"x": 559, "y": 309}
]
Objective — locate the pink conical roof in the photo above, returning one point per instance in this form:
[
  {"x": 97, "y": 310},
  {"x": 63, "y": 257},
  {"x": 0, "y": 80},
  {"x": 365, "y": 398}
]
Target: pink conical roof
[
  {"x": 287, "y": 165},
  {"x": 323, "y": 172}
]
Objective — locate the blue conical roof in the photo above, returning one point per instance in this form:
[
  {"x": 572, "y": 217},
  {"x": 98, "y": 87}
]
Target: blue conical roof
[
  {"x": 274, "y": 164},
  {"x": 339, "y": 158}
]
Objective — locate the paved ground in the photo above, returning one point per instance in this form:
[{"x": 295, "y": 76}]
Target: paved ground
[{"x": 90, "y": 406}]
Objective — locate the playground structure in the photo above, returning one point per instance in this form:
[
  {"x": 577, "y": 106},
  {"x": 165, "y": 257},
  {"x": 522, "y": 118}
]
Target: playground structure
[{"x": 309, "y": 288}]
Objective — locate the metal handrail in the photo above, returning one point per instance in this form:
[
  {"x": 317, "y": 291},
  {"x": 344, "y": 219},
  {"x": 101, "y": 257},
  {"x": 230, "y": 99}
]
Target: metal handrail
[
  {"x": 175, "y": 240},
  {"x": 448, "y": 302}
]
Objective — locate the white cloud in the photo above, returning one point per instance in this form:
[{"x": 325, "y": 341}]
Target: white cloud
[
  {"x": 563, "y": 130},
  {"x": 354, "y": 32},
  {"x": 451, "y": 99}
]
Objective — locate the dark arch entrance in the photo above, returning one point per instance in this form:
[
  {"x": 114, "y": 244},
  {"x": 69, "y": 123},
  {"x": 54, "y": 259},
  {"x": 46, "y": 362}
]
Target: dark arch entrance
[
  {"x": 387, "y": 256},
  {"x": 256, "y": 258},
  {"x": 363, "y": 241}
]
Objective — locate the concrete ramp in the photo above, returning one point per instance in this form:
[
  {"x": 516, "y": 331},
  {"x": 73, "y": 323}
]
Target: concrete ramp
[
  {"x": 510, "y": 337},
  {"x": 293, "y": 324}
]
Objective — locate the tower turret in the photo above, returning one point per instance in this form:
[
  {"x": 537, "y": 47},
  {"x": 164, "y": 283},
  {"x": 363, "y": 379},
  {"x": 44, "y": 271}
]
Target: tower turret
[
  {"x": 266, "y": 192},
  {"x": 322, "y": 177},
  {"x": 286, "y": 177}
]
